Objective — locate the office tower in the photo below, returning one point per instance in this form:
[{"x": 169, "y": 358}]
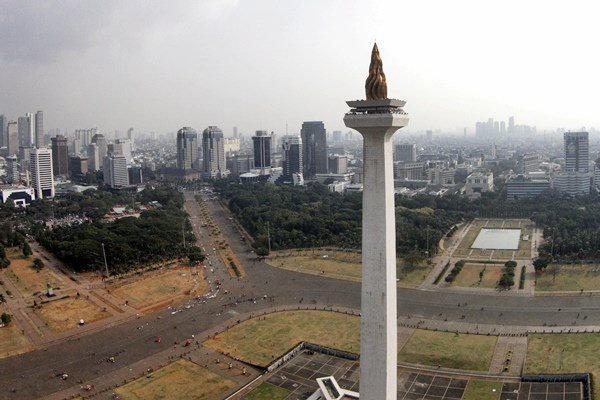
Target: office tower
[
  {"x": 93, "y": 157},
  {"x": 529, "y": 163},
  {"x": 262, "y": 150},
  {"x": 60, "y": 156},
  {"x": 115, "y": 171},
  {"x": 25, "y": 132},
  {"x": 3, "y": 136},
  {"x": 12, "y": 169},
  {"x": 135, "y": 176},
  {"x": 12, "y": 137},
  {"x": 314, "y": 148},
  {"x": 241, "y": 164},
  {"x": 131, "y": 138},
  {"x": 511, "y": 125},
  {"x": 577, "y": 152},
  {"x": 503, "y": 128},
  {"x": 336, "y": 136},
  {"x": 406, "y": 153},
  {"x": 78, "y": 166},
  {"x": 42, "y": 179},
  {"x": 187, "y": 149},
  {"x": 235, "y": 132},
  {"x": 85, "y": 135},
  {"x": 24, "y": 157},
  {"x": 75, "y": 146},
  {"x": 429, "y": 135},
  {"x": 213, "y": 154},
  {"x": 377, "y": 119},
  {"x": 293, "y": 164},
  {"x": 102, "y": 145},
  {"x": 338, "y": 164},
  {"x": 38, "y": 136},
  {"x": 126, "y": 147}
]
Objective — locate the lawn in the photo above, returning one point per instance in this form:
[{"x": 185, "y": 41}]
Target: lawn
[
  {"x": 469, "y": 276},
  {"x": 27, "y": 279},
  {"x": 341, "y": 265},
  {"x": 571, "y": 277},
  {"x": 262, "y": 340},
  {"x": 180, "y": 380},
  {"x": 266, "y": 391},
  {"x": 11, "y": 339},
  {"x": 482, "y": 390},
  {"x": 64, "y": 314},
  {"x": 157, "y": 288},
  {"x": 469, "y": 352}
]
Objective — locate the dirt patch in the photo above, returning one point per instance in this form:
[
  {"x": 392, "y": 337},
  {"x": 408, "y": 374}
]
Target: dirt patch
[
  {"x": 12, "y": 341},
  {"x": 64, "y": 314},
  {"x": 27, "y": 279}
]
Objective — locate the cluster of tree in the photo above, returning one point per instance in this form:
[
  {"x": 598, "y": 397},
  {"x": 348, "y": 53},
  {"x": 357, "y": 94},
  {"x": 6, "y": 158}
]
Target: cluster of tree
[
  {"x": 4, "y": 261},
  {"x": 5, "y": 318},
  {"x": 508, "y": 275},
  {"x": 38, "y": 264},
  {"x": 458, "y": 266}
]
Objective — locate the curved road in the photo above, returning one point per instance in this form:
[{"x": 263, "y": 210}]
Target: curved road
[{"x": 32, "y": 375}]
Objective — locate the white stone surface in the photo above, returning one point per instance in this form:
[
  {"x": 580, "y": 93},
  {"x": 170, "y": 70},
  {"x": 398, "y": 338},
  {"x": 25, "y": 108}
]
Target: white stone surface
[{"x": 497, "y": 239}]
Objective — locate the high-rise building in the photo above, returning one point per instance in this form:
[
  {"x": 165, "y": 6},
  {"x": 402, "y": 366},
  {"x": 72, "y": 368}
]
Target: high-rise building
[
  {"x": 76, "y": 146},
  {"x": 25, "y": 130},
  {"x": 135, "y": 175},
  {"x": 406, "y": 152},
  {"x": 115, "y": 171},
  {"x": 60, "y": 156},
  {"x": 131, "y": 138},
  {"x": 262, "y": 150},
  {"x": 38, "y": 135},
  {"x": 42, "y": 179},
  {"x": 338, "y": 164},
  {"x": 126, "y": 147},
  {"x": 78, "y": 166},
  {"x": 577, "y": 152},
  {"x": 293, "y": 166},
  {"x": 511, "y": 125},
  {"x": 314, "y": 148},
  {"x": 187, "y": 149},
  {"x": 93, "y": 157},
  {"x": 12, "y": 137},
  {"x": 213, "y": 154},
  {"x": 102, "y": 145},
  {"x": 12, "y": 169},
  {"x": 3, "y": 136},
  {"x": 529, "y": 163}
]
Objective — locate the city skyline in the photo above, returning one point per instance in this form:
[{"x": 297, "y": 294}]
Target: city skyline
[{"x": 458, "y": 70}]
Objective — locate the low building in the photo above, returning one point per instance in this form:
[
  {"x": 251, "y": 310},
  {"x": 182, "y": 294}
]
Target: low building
[
  {"x": 573, "y": 183},
  {"x": 20, "y": 195},
  {"x": 409, "y": 170},
  {"x": 478, "y": 183},
  {"x": 524, "y": 186}
]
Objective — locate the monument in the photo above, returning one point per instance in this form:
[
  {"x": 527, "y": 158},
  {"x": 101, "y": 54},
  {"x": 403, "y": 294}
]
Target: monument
[{"x": 377, "y": 118}]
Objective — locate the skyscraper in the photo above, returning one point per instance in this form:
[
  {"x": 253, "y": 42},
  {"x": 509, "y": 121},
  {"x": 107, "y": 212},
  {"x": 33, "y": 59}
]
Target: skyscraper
[
  {"x": 42, "y": 179},
  {"x": 25, "y": 130},
  {"x": 78, "y": 166},
  {"x": 3, "y": 136},
  {"x": 115, "y": 171},
  {"x": 262, "y": 150},
  {"x": 406, "y": 152},
  {"x": 291, "y": 146},
  {"x": 187, "y": 149},
  {"x": 38, "y": 139},
  {"x": 130, "y": 137},
  {"x": 213, "y": 154},
  {"x": 511, "y": 125},
  {"x": 93, "y": 157},
  {"x": 100, "y": 141},
  {"x": 12, "y": 169},
  {"x": 60, "y": 156},
  {"x": 12, "y": 137},
  {"x": 577, "y": 152},
  {"x": 314, "y": 148}
]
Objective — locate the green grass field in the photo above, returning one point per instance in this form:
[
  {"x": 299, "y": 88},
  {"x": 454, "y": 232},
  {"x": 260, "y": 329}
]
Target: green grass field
[
  {"x": 266, "y": 391},
  {"x": 482, "y": 390},
  {"x": 563, "y": 354},
  {"x": 262, "y": 340},
  {"x": 344, "y": 265},
  {"x": 469, "y": 352},
  {"x": 469, "y": 276},
  {"x": 570, "y": 278},
  {"x": 180, "y": 380}
]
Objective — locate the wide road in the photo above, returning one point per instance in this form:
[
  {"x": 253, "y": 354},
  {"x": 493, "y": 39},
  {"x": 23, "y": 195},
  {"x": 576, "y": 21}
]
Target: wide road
[{"x": 31, "y": 375}]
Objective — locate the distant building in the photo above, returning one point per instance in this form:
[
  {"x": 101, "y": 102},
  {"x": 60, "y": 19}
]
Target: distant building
[
  {"x": 409, "y": 170},
  {"x": 93, "y": 156},
  {"x": 187, "y": 149},
  {"x": 292, "y": 159},
  {"x": 442, "y": 176},
  {"x": 60, "y": 156},
  {"x": 231, "y": 146},
  {"x": 42, "y": 178},
  {"x": 78, "y": 166},
  {"x": 135, "y": 176},
  {"x": 478, "y": 183},
  {"x": 314, "y": 148},
  {"x": 115, "y": 171},
  {"x": 213, "y": 154},
  {"x": 262, "y": 151},
  {"x": 406, "y": 153},
  {"x": 576, "y": 178},
  {"x": 26, "y": 130},
  {"x": 125, "y": 146},
  {"x": 3, "y": 132},
  {"x": 39, "y": 130},
  {"x": 102, "y": 145},
  {"x": 20, "y": 195},
  {"x": 529, "y": 163},
  {"x": 12, "y": 137},
  {"x": 241, "y": 164},
  {"x": 338, "y": 164},
  {"x": 523, "y": 186},
  {"x": 573, "y": 183},
  {"x": 12, "y": 169}
]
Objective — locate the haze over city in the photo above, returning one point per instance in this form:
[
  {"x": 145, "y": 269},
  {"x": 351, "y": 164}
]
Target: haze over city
[{"x": 158, "y": 66}]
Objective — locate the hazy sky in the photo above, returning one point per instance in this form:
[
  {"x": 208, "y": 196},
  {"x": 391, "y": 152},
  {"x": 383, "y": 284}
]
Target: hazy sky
[{"x": 160, "y": 65}]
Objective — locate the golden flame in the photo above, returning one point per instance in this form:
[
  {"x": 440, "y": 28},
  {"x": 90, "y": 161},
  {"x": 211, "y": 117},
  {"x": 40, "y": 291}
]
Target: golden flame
[{"x": 376, "y": 86}]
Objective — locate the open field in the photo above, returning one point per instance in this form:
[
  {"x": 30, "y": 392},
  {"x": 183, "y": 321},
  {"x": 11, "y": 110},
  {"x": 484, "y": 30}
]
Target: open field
[
  {"x": 172, "y": 286},
  {"x": 465, "y": 251},
  {"x": 446, "y": 349},
  {"x": 262, "y": 340},
  {"x": 11, "y": 339},
  {"x": 469, "y": 276},
  {"x": 64, "y": 314},
  {"x": 180, "y": 380},
  {"x": 482, "y": 390},
  {"x": 337, "y": 264},
  {"x": 28, "y": 280},
  {"x": 570, "y": 277},
  {"x": 266, "y": 391}
]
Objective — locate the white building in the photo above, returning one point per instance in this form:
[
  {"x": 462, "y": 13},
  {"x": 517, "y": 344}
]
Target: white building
[
  {"x": 525, "y": 186},
  {"x": 573, "y": 183},
  {"x": 21, "y": 196},
  {"x": 12, "y": 169},
  {"x": 477, "y": 183},
  {"x": 42, "y": 179},
  {"x": 115, "y": 171},
  {"x": 93, "y": 156}
]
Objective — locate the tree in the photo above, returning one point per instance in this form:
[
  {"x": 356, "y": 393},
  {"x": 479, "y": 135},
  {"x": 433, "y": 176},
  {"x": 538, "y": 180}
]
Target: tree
[
  {"x": 194, "y": 254},
  {"x": 262, "y": 252},
  {"x": 5, "y": 318},
  {"x": 554, "y": 269},
  {"x": 540, "y": 264},
  {"x": 506, "y": 281},
  {"x": 38, "y": 264},
  {"x": 27, "y": 250}
]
